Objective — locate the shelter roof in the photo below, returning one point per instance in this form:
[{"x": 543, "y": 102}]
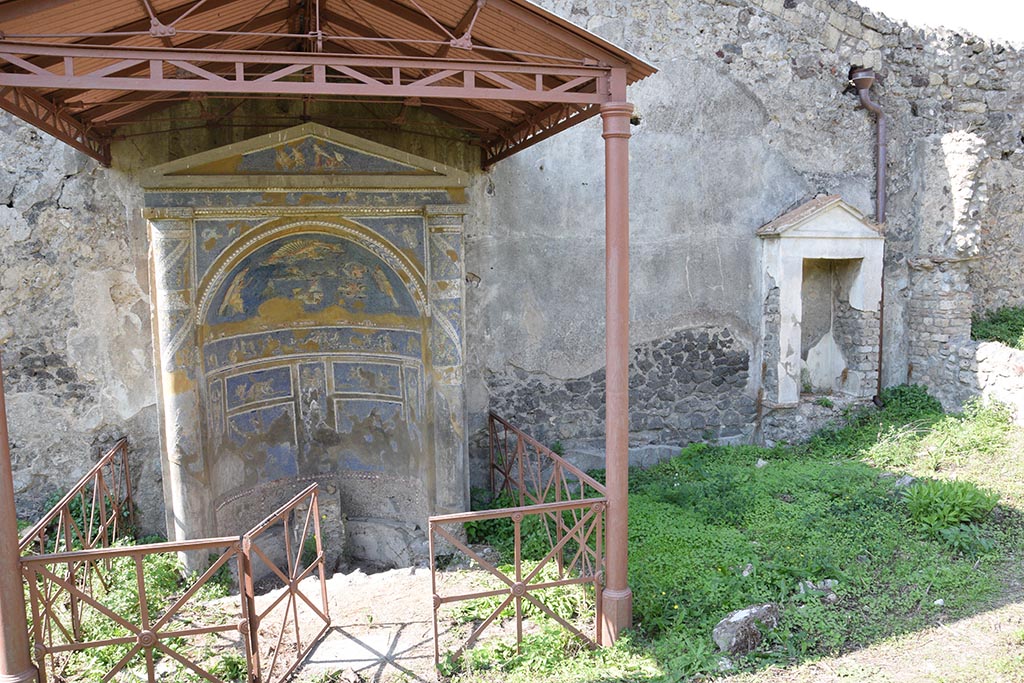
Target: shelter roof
[{"x": 506, "y": 72}]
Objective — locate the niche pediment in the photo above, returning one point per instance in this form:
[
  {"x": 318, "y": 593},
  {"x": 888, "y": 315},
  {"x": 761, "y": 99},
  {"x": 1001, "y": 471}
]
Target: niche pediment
[
  {"x": 309, "y": 156},
  {"x": 824, "y": 216}
]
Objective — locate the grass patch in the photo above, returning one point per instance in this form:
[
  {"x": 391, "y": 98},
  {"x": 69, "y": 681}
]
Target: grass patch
[
  {"x": 1005, "y": 325},
  {"x": 711, "y": 532},
  {"x": 115, "y": 586}
]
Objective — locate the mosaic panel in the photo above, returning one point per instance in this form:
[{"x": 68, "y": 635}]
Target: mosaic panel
[
  {"x": 444, "y": 257},
  {"x": 252, "y": 199},
  {"x": 367, "y": 378},
  {"x": 311, "y": 155},
  {"x": 405, "y": 232},
  {"x": 313, "y": 403},
  {"x": 257, "y": 386},
  {"x": 230, "y": 351},
  {"x": 311, "y": 358},
  {"x": 266, "y": 442},
  {"x": 307, "y": 274},
  {"x": 213, "y": 237}
]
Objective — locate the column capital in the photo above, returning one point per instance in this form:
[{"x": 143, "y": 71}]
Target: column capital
[{"x": 615, "y": 116}]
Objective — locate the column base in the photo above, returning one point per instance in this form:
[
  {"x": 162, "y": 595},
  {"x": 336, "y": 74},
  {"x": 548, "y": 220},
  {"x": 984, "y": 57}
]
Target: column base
[
  {"x": 24, "y": 677},
  {"x": 617, "y": 614}
]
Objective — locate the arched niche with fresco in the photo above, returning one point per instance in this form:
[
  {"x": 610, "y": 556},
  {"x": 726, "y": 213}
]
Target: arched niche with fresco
[{"x": 310, "y": 334}]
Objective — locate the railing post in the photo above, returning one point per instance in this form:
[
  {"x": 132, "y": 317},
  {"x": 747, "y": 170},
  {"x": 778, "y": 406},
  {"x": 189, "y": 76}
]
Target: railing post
[
  {"x": 15, "y": 660},
  {"x": 520, "y": 454},
  {"x": 245, "y": 582},
  {"x": 490, "y": 444}
]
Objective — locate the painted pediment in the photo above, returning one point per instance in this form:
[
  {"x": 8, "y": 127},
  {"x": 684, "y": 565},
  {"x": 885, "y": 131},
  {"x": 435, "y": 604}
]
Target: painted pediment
[
  {"x": 825, "y": 216},
  {"x": 306, "y": 156}
]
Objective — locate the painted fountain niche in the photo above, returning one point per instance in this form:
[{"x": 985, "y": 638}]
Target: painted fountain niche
[{"x": 308, "y": 327}]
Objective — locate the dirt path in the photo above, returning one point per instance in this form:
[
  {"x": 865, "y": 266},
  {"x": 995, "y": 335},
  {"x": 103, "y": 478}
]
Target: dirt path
[
  {"x": 382, "y": 630},
  {"x": 985, "y": 648},
  {"x": 382, "y": 626}
]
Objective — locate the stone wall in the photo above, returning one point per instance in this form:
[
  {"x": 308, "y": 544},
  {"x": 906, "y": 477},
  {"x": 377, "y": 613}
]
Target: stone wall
[
  {"x": 942, "y": 355},
  {"x": 688, "y": 386},
  {"x": 856, "y": 333},
  {"x": 748, "y": 117},
  {"x": 75, "y": 323},
  {"x": 1000, "y": 375}
]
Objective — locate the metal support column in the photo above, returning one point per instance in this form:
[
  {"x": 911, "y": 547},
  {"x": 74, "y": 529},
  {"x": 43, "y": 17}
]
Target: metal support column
[
  {"x": 15, "y": 661},
  {"x": 617, "y": 599}
]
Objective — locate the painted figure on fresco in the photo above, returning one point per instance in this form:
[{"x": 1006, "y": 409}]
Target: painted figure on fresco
[
  {"x": 352, "y": 289},
  {"x": 323, "y": 159},
  {"x": 383, "y": 285},
  {"x": 233, "y": 297},
  {"x": 287, "y": 157},
  {"x": 303, "y": 249},
  {"x": 318, "y": 272},
  {"x": 312, "y": 295}
]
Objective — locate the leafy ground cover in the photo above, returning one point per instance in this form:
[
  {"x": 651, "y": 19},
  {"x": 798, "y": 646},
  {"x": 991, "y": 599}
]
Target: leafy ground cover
[
  {"x": 1005, "y": 325},
  {"x": 114, "y": 585},
  {"x": 721, "y": 528}
]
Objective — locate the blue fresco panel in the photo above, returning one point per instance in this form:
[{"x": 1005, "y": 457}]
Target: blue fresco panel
[
  {"x": 368, "y": 378},
  {"x": 260, "y": 385}
]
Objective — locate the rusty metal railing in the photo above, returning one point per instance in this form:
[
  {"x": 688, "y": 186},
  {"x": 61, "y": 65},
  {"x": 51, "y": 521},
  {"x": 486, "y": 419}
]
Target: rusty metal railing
[
  {"x": 569, "y": 506},
  {"x": 284, "y": 630},
  {"x": 105, "y": 512},
  {"x": 519, "y": 584},
  {"x": 524, "y": 467},
  {"x": 146, "y": 631},
  {"x": 534, "y": 474},
  {"x": 69, "y": 581}
]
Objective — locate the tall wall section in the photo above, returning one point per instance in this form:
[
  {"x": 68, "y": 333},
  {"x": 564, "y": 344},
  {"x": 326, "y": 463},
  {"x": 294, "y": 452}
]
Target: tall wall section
[{"x": 747, "y": 118}]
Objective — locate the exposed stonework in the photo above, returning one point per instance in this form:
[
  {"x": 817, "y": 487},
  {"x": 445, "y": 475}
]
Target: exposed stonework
[
  {"x": 75, "y": 321},
  {"x": 856, "y": 333},
  {"x": 939, "y": 332},
  {"x": 799, "y": 423},
  {"x": 746, "y": 120},
  {"x": 690, "y": 386},
  {"x": 1000, "y": 375}
]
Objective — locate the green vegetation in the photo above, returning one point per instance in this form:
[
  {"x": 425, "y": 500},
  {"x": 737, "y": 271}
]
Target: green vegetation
[
  {"x": 116, "y": 588},
  {"x": 1005, "y": 325},
  {"x": 114, "y": 585},
  {"x": 711, "y": 533}
]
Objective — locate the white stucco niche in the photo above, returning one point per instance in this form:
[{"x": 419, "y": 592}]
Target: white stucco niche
[{"x": 822, "y": 260}]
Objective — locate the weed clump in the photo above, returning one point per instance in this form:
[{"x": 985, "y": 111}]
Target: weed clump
[{"x": 1005, "y": 325}]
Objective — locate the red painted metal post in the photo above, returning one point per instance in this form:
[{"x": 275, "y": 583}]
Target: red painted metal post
[
  {"x": 15, "y": 661},
  {"x": 617, "y": 599}
]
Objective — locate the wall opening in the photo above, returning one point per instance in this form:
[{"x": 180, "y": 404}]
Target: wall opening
[
  {"x": 821, "y": 296},
  {"x": 828, "y": 324}
]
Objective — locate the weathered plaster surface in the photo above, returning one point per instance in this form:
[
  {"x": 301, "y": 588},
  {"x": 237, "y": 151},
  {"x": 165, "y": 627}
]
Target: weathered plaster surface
[
  {"x": 747, "y": 119},
  {"x": 75, "y": 320}
]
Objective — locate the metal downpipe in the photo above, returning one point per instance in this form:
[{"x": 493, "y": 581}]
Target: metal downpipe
[{"x": 862, "y": 80}]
